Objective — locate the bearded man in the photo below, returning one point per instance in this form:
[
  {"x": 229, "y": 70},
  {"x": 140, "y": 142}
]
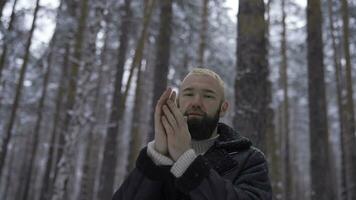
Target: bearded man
[{"x": 193, "y": 156}]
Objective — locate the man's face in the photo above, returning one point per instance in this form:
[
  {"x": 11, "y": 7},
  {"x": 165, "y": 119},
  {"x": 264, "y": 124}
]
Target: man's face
[{"x": 201, "y": 100}]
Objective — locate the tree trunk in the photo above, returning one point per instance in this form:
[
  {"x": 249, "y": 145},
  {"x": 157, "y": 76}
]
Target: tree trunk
[
  {"x": 203, "y": 32},
  {"x": 288, "y": 178},
  {"x": 62, "y": 182},
  {"x": 47, "y": 180},
  {"x": 9, "y": 30},
  {"x": 162, "y": 56},
  {"x": 252, "y": 87},
  {"x": 8, "y": 178},
  {"x": 349, "y": 137},
  {"x": 34, "y": 147},
  {"x": 86, "y": 190},
  {"x": 340, "y": 104},
  {"x": 2, "y": 5},
  {"x": 15, "y": 106},
  {"x": 136, "y": 135},
  {"x": 273, "y": 139},
  {"x": 321, "y": 183},
  {"x": 108, "y": 166}
]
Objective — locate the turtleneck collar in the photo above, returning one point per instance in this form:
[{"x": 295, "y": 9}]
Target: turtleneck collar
[{"x": 201, "y": 146}]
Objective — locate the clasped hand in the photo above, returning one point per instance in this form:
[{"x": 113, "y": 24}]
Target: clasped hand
[{"x": 172, "y": 137}]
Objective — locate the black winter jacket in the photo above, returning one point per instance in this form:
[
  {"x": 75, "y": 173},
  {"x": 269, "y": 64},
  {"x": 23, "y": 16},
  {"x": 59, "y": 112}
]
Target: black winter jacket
[{"x": 230, "y": 170}]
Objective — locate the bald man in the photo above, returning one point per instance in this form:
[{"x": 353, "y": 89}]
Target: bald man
[{"x": 193, "y": 156}]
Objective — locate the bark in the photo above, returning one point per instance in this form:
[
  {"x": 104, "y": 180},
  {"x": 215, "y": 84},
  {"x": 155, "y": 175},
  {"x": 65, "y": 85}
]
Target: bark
[
  {"x": 8, "y": 133},
  {"x": 2, "y": 5},
  {"x": 34, "y": 147},
  {"x": 47, "y": 180},
  {"x": 162, "y": 55},
  {"x": 288, "y": 178},
  {"x": 136, "y": 135},
  {"x": 252, "y": 96},
  {"x": 203, "y": 32},
  {"x": 9, "y": 175},
  {"x": 274, "y": 132},
  {"x": 321, "y": 184},
  {"x": 62, "y": 182},
  {"x": 86, "y": 190},
  {"x": 9, "y": 31},
  {"x": 340, "y": 104},
  {"x": 108, "y": 166},
  {"x": 349, "y": 134},
  {"x": 87, "y": 182}
]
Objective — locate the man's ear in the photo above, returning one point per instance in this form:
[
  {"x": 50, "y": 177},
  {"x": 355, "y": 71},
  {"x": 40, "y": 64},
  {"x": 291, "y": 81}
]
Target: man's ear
[{"x": 223, "y": 108}]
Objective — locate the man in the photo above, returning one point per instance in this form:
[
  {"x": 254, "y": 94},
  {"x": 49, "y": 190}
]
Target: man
[{"x": 192, "y": 155}]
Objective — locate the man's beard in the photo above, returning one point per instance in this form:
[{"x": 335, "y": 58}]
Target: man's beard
[{"x": 202, "y": 128}]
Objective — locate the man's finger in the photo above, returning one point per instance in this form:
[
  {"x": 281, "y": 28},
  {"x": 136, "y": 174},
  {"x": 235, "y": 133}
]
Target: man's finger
[
  {"x": 175, "y": 111},
  {"x": 168, "y": 114},
  {"x": 165, "y": 96},
  {"x": 167, "y": 127},
  {"x": 163, "y": 99},
  {"x": 173, "y": 96}
]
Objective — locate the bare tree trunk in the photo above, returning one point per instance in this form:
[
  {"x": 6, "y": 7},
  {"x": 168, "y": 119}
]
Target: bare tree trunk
[
  {"x": 86, "y": 190},
  {"x": 322, "y": 185},
  {"x": 274, "y": 132},
  {"x": 62, "y": 182},
  {"x": 47, "y": 181},
  {"x": 350, "y": 137},
  {"x": 252, "y": 96},
  {"x": 7, "y": 183},
  {"x": 34, "y": 147},
  {"x": 162, "y": 55},
  {"x": 108, "y": 166},
  {"x": 340, "y": 104},
  {"x": 2, "y": 5},
  {"x": 12, "y": 117},
  {"x": 7, "y": 38},
  {"x": 288, "y": 178},
  {"x": 203, "y": 32},
  {"x": 136, "y": 135}
]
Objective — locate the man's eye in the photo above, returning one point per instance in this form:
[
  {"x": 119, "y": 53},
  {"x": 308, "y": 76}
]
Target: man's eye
[
  {"x": 188, "y": 94},
  {"x": 209, "y": 96}
]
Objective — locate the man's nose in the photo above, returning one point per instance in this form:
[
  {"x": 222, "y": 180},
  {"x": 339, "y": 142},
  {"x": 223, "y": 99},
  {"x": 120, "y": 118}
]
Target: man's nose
[{"x": 197, "y": 101}]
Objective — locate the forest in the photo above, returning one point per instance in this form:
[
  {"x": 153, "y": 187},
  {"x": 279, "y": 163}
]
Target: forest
[{"x": 79, "y": 80}]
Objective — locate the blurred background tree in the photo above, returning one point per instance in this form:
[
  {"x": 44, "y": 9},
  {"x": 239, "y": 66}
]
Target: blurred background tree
[{"x": 79, "y": 80}]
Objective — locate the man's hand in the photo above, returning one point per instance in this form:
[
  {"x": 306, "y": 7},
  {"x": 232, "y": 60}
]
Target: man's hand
[
  {"x": 175, "y": 125},
  {"x": 160, "y": 135}
]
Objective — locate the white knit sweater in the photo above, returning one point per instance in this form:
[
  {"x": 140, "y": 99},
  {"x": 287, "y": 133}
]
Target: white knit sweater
[{"x": 181, "y": 165}]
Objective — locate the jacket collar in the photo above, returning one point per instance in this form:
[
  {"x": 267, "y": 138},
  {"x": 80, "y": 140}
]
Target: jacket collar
[
  {"x": 229, "y": 142},
  {"x": 230, "y": 139}
]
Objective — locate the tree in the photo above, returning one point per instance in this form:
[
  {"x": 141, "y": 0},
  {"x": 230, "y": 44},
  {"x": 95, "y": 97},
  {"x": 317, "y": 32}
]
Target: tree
[
  {"x": 252, "y": 96},
  {"x": 34, "y": 147},
  {"x": 162, "y": 55},
  {"x": 288, "y": 178},
  {"x": 107, "y": 173},
  {"x": 340, "y": 105},
  {"x": 203, "y": 32},
  {"x": 47, "y": 180},
  {"x": 9, "y": 30},
  {"x": 61, "y": 182},
  {"x": 319, "y": 145},
  {"x": 349, "y": 137},
  {"x": 2, "y": 5},
  {"x": 15, "y": 106},
  {"x": 136, "y": 137}
]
